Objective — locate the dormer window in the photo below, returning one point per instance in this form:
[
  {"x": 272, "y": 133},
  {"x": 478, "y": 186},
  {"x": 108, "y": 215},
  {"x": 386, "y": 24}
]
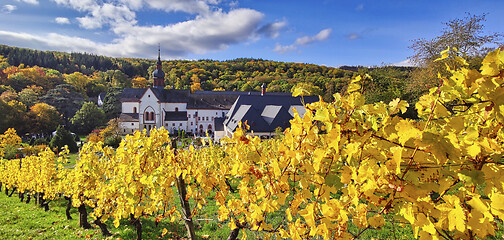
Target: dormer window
[
  {"x": 134, "y": 109},
  {"x": 176, "y": 109}
]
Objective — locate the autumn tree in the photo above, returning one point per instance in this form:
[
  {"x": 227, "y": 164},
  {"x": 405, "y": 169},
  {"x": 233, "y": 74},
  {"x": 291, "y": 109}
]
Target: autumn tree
[
  {"x": 13, "y": 115},
  {"x": 29, "y": 95},
  {"x": 139, "y": 82},
  {"x": 466, "y": 34},
  {"x": 78, "y": 81},
  {"x": 111, "y": 135},
  {"x": 9, "y": 142},
  {"x": 45, "y": 118}
]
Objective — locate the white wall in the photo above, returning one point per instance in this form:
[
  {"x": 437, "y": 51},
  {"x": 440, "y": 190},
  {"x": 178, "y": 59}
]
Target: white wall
[
  {"x": 127, "y": 107},
  {"x": 170, "y": 107},
  {"x": 150, "y": 102},
  {"x": 128, "y": 127}
]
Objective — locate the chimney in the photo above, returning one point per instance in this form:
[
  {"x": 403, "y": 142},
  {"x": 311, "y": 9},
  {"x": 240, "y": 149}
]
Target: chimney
[{"x": 263, "y": 89}]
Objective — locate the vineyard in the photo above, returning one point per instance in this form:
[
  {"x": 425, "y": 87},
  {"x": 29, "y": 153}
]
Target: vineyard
[{"x": 344, "y": 162}]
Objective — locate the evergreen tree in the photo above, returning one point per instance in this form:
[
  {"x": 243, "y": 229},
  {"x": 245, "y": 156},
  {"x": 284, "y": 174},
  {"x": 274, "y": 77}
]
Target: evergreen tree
[
  {"x": 112, "y": 103},
  {"x": 62, "y": 138}
]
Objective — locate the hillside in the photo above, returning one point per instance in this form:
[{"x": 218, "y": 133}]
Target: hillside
[{"x": 28, "y": 77}]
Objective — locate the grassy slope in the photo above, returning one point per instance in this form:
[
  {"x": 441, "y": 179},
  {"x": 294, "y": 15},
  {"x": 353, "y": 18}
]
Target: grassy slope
[
  {"x": 27, "y": 221},
  {"x": 19, "y": 220}
]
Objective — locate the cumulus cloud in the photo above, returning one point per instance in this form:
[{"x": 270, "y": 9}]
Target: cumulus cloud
[
  {"x": 8, "y": 8},
  {"x": 107, "y": 14},
  {"x": 62, "y": 20},
  {"x": 33, "y": 2},
  {"x": 282, "y": 49},
  {"x": 321, "y": 36},
  {"x": 272, "y": 30},
  {"x": 210, "y": 28},
  {"x": 79, "y": 5},
  {"x": 202, "y": 34}
]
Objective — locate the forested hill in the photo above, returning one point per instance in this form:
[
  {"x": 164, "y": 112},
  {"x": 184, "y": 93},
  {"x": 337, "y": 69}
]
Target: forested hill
[
  {"x": 73, "y": 62},
  {"x": 29, "y": 78}
]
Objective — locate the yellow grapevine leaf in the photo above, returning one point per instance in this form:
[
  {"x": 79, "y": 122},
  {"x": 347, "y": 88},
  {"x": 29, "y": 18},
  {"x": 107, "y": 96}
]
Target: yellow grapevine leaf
[
  {"x": 406, "y": 131},
  {"x": 478, "y": 205},
  {"x": 322, "y": 115},
  {"x": 490, "y": 65},
  {"x": 474, "y": 150},
  {"x": 497, "y": 204},
  {"x": 165, "y": 231},
  {"x": 399, "y": 104},
  {"x": 352, "y": 87},
  {"x": 376, "y": 221}
]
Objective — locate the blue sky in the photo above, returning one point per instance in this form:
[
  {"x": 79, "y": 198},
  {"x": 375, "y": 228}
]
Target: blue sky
[{"x": 325, "y": 32}]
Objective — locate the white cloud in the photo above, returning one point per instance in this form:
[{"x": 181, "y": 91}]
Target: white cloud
[
  {"x": 202, "y": 34},
  {"x": 272, "y": 30},
  {"x": 8, "y": 8},
  {"x": 210, "y": 29},
  {"x": 188, "y": 6},
  {"x": 283, "y": 49},
  {"x": 79, "y": 5},
  {"x": 321, "y": 36},
  {"x": 360, "y": 7},
  {"x": 33, "y": 2},
  {"x": 405, "y": 63},
  {"x": 107, "y": 14},
  {"x": 62, "y": 20}
]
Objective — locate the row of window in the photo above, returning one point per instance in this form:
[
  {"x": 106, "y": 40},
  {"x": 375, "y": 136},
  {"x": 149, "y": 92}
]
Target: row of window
[{"x": 149, "y": 116}]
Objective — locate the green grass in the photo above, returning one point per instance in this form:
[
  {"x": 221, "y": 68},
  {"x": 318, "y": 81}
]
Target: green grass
[
  {"x": 19, "y": 220},
  {"x": 27, "y": 221}
]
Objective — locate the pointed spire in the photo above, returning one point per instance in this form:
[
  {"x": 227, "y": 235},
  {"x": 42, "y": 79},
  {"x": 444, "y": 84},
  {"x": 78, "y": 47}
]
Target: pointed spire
[{"x": 159, "y": 54}]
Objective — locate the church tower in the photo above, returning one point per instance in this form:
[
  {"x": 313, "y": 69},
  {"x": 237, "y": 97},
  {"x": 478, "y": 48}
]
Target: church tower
[{"x": 158, "y": 75}]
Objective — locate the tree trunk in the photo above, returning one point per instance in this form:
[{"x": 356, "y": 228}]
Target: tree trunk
[
  {"x": 137, "y": 223},
  {"x": 28, "y": 198},
  {"x": 45, "y": 205},
  {"x": 68, "y": 207},
  {"x": 21, "y": 196},
  {"x": 6, "y": 191},
  {"x": 103, "y": 227},
  {"x": 186, "y": 209},
  {"x": 13, "y": 190},
  {"x": 83, "y": 222},
  {"x": 233, "y": 235}
]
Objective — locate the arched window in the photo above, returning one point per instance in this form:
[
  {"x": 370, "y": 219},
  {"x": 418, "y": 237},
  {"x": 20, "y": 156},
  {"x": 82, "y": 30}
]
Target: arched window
[
  {"x": 176, "y": 109},
  {"x": 209, "y": 127},
  {"x": 152, "y": 116},
  {"x": 134, "y": 109},
  {"x": 146, "y": 116}
]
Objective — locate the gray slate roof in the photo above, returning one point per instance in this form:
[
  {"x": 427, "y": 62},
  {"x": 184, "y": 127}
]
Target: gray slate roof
[
  {"x": 264, "y": 113},
  {"x": 175, "y": 116},
  {"x": 198, "y": 100},
  {"x": 129, "y": 117}
]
